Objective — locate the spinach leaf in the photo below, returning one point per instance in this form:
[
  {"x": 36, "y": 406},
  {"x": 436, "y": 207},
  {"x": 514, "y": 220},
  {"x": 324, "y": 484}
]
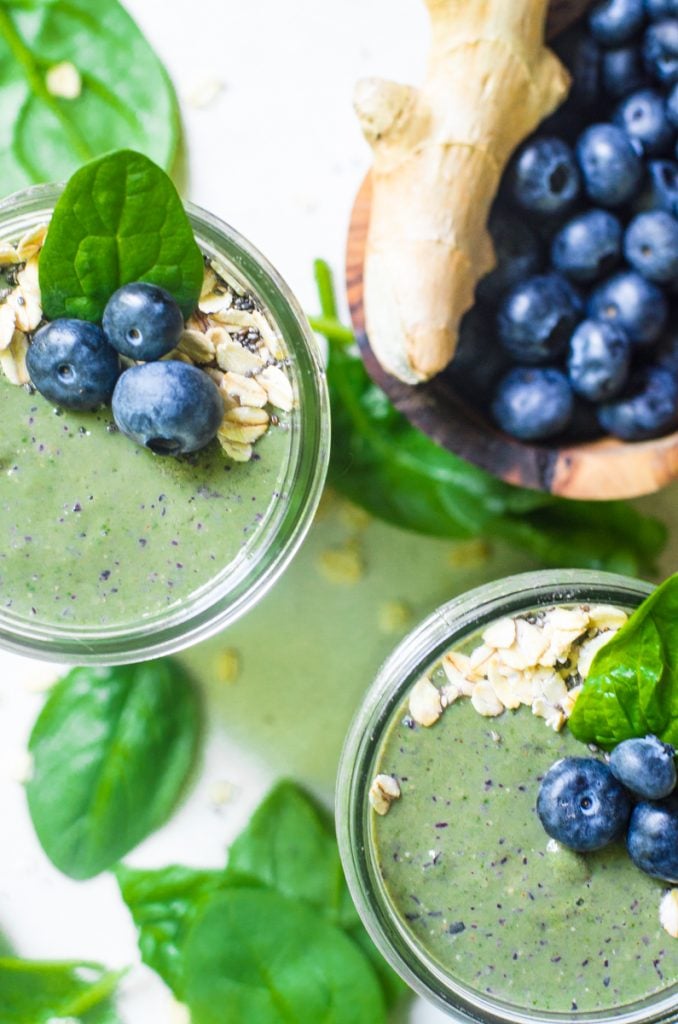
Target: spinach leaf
[
  {"x": 632, "y": 686},
  {"x": 112, "y": 749},
  {"x": 126, "y": 99},
  {"x": 289, "y": 847},
  {"x": 34, "y": 992},
  {"x": 119, "y": 219},
  {"x": 399, "y": 475},
  {"x": 393, "y": 987},
  {"x": 270, "y": 960}
]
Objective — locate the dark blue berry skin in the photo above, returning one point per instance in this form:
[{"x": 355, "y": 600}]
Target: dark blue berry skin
[
  {"x": 536, "y": 318},
  {"x": 647, "y": 408},
  {"x": 643, "y": 116},
  {"x": 665, "y": 352},
  {"x": 622, "y": 71},
  {"x": 582, "y": 805},
  {"x": 645, "y": 766},
  {"x": 611, "y": 168},
  {"x": 658, "y": 9},
  {"x": 651, "y": 246},
  {"x": 632, "y": 302},
  {"x": 660, "y": 50},
  {"x": 479, "y": 360},
  {"x": 672, "y": 106},
  {"x": 580, "y": 54},
  {"x": 534, "y": 403},
  {"x": 588, "y": 246},
  {"x": 142, "y": 321},
  {"x": 170, "y": 407},
  {"x": 652, "y": 839},
  {"x": 518, "y": 252},
  {"x": 661, "y": 192},
  {"x": 615, "y": 22},
  {"x": 598, "y": 361},
  {"x": 71, "y": 363},
  {"x": 543, "y": 177}
]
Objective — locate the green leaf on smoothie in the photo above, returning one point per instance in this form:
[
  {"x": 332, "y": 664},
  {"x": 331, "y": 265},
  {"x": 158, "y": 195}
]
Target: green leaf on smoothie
[
  {"x": 398, "y": 474},
  {"x": 119, "y": 219},
  {"x": 632, "y": 686},
  {"x": 36, "y": 992},
  {"x": 272, "y": 960},
  {"x": 112, "y": 749},
  {"x": 125, "y": 100}
]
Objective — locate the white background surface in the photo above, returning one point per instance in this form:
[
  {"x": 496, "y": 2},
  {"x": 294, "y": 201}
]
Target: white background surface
[{"x": 278, "y": 154}]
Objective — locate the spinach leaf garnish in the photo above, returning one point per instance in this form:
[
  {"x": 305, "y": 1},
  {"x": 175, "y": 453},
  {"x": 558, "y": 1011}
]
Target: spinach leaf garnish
[
  {"x": 112, "y": 750},
  {"x": 399, "y": 475},
  {"x": 127, "y": 99},
  {"x": 119, "y": 219},
  {"x": 632, "y": 686},
  {"x": 37, "y": 992}
]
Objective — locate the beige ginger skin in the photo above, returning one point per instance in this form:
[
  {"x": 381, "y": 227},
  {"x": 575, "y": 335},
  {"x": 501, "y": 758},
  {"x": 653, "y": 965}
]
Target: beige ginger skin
[{"x": 439, "y": 154}]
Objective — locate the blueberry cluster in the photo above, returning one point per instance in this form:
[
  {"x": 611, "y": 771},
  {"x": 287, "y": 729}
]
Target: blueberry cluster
[
  {"x": 585, "y": 804},
  {"x": 586, "y": 234},
  {"x": 170, "y": 407}
]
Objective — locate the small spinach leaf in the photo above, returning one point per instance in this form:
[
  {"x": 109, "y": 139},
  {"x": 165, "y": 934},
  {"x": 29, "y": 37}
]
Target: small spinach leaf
[
  {"x": 126, "y": 98},
  {"x": 392, "y": 985},
  {"x": 35, "y": 992},
  {"x": 112, "y": 749},
  {"x": 119, "y": 219},
  {"x": 632, "y": 685},
  {"x": 270, "y": 960}
]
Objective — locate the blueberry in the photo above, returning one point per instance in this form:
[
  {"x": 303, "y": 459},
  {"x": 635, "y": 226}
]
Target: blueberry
[
  {"x": 662, "y": 188},
  {"x": 582, "y": 805},
  {"x": 643, "y": 116},
  {"x": 518, "y": 253},
  {"x": 169, "y": 407},
  {"x": 71, "y": 363},
  {"x": 533, "y": 403},
  {"x": 536, "y": 319},
  {"x": 660, "y": 50},
  {"x": 614, "y": 22},
  {"x": 647, "y": 408},
  {"x": 645, "y": 766},
  {"x": 142, "y": 321},
  {"x": 657, "y": 9},
  {"x": 479, "y": 360},
  {"x": 652, "y": 839},
  {"x": 599, "y": 358},
  {"x": 666, "y": 352},
  {"x": 544, "y": 177},
  {"x": 611, "y": 167},
  {"x": 651, "y": 246},
  {"x": 622, "y": 71},
  {"x": 634, "y": 303},
  {"x": 588, "y": 246},
  {"x": 580, "y": 54}
]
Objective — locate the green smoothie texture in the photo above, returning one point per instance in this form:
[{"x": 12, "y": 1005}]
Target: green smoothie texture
[
  {"x": 97, "y": 531},
  {"x": 474, "y": 878}
]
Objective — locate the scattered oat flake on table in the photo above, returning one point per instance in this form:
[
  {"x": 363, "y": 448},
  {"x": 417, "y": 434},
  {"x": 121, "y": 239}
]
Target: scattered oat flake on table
[
  {"x": 344, "y": 565},
  {"x": 668, "y": 912},
  {"x": 221, "y": 793},
  {"x": 468, "y": 553},
  {"x": 227, "y": 665},
  {"x": 16, "y": 766},
  {"x": 394, "y": 616},
  {"x": 63, "y": 80},
  {"x": 383, "y": 791},
  {"x": 204, "y": 92}
]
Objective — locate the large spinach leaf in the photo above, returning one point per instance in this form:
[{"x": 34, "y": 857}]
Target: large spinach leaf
[
  {"x": 632, "y": 686},
  {"x": 33, "y": 992},
  {"x": 119, "y": 219},
  {"x": 127, "y": 99},
  {"x": 271, "y": 960},
  {"x": 398, "y": 474},
  {"x": 113, "y": 748}
]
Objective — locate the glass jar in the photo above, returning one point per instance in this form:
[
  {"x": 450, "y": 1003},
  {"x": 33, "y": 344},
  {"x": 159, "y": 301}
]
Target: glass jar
[
  {"x": 234, "y": 587},
  {"x": 448, "y": 627}
]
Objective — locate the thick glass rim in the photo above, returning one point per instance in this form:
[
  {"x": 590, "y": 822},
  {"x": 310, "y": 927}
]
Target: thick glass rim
[
  {"x": 447, "y": 624},
  {"x": 251, "y": 575}
]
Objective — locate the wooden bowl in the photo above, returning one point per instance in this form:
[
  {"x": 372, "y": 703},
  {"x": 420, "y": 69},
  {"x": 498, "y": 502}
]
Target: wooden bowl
[{"x": 602, "y": 469}]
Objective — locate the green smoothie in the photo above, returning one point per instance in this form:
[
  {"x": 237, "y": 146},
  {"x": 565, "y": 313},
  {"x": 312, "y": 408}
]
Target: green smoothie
[{"x": 477, "y": 883}]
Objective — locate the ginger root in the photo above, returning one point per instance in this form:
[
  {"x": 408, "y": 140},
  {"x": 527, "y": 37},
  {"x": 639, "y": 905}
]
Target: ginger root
[{"x": 439, "y": 154}]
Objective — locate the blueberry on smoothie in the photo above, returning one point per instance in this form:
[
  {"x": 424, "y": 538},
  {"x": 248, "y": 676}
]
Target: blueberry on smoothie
[
  {"x": 611, "y": 166},
  {"x": 647, "y": 408},
  {"x": 533, "y": 403},
  {"x": 660, "y": 50},
  {"x": 170, "y": 407},
  {"x": 71, "y": 363},
  {"x": 632, "y": 302},
  {"x": 142, "y": 321},
  {"x": 582, "y": 805},
  {"x": 613, "y": 22},
  {"x": 652, "y": 839},
  {"x": 643, "y": 116},
  {"x": 588, "y": 246},
  {"x": 536, "y": 319},
  {"x": 622, "y": 71},
  {"x": 645, "y": 766},
  {"x": 651, "y": 246},
  {"x": 544, "y": 177},
  {"x": 598, "y": 361}
]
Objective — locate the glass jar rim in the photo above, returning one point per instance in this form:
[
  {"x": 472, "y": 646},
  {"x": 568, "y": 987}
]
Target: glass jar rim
[
  {"x": 225, "y": 598},
  {"x": 423, "y": 646}
]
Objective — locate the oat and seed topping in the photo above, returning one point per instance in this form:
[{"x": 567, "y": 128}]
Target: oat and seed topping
[
  {"x": 383, "y": 791},
  {"x": 668, "y": 913}
]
